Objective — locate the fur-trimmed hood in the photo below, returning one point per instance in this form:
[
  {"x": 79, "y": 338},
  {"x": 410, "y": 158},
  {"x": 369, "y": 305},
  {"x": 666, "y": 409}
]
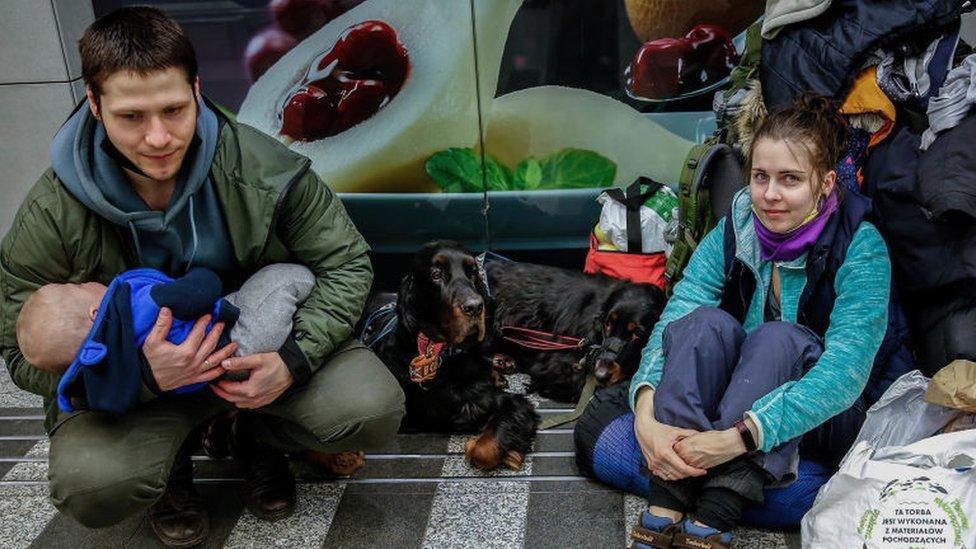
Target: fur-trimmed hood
[{"x": 749, "y": 117}]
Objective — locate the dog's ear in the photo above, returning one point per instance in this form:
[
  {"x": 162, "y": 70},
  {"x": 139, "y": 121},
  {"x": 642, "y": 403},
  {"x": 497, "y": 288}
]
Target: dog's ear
[
  {"x": 598, "y": 323},
  {"x": 406, "y": 304},
  {"x": 658, "y": 301}
]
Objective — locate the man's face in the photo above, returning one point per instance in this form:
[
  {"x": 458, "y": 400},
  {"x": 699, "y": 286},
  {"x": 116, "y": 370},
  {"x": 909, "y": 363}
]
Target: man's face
[{"x": 149, "y": 118}]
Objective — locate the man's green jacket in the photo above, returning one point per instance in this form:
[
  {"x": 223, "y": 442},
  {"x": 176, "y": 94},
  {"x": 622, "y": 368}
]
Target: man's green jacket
[{"x": 276, "y": 210}]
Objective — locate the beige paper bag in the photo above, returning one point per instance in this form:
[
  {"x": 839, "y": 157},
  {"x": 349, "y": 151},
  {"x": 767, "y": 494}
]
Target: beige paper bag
[{"x": 954, "y": 386}]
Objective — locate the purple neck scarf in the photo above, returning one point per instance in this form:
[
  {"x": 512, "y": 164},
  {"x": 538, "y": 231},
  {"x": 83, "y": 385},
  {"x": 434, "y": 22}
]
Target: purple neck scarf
[{"x": 789, "y": 246}]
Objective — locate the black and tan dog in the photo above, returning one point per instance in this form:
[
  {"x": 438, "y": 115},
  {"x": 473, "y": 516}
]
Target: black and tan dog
[
  {"x": 434, "y": 347},
  {"x": 612, "y": 317}
]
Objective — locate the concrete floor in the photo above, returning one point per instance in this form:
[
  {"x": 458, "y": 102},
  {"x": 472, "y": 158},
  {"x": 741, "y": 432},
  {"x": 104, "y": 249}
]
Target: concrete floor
[{"x": 417, "y": 492}]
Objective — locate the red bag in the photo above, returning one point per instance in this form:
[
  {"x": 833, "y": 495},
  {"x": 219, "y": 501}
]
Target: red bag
[
  {"x": 647, "y": 268},
  {"x": 633, "y": 266}
]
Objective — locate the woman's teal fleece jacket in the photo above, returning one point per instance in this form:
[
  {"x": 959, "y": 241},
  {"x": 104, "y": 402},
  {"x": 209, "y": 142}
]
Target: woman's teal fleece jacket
[{"x": 857, "y": 323}]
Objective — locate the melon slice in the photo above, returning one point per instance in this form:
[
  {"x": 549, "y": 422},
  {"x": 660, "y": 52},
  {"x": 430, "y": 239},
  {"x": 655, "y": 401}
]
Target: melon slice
[
  {"x": 542, "y": 120},
  {"x": 653, "y": 19},
  {"x": 435, "y": 109}
]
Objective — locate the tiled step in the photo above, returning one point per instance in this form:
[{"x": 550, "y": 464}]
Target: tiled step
[{"x": 416, "y": 491}]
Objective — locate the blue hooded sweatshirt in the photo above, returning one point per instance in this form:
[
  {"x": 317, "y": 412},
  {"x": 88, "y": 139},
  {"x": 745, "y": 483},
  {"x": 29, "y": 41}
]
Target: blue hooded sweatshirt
[{"x": 109, "y": 371}]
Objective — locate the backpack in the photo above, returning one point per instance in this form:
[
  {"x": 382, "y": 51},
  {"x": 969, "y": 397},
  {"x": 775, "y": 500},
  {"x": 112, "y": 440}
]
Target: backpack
[
  {"x": 712, "y": 172},
  {"x": 710, "y": 177}
]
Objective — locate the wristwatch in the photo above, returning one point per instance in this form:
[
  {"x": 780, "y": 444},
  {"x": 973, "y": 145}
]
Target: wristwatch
[{"x": 746, "y": 435}]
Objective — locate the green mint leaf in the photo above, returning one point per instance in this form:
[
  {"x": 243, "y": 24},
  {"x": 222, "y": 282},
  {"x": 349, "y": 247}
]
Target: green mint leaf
[
  {"x": 499, "y": 176},
  {"x": 456, "y": 170},
  {"x": 528, "y": 174},
  {"x": 577, "y": 169}
]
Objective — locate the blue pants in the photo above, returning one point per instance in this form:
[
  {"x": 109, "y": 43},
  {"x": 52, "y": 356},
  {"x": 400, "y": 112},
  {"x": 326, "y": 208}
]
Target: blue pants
[
  {"x": 714, "y": 372},
  {"x": 607, "y": 449}
]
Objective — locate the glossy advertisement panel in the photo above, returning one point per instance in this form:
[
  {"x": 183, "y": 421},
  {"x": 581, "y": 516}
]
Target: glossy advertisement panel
[{"x": 495, "y": 122}]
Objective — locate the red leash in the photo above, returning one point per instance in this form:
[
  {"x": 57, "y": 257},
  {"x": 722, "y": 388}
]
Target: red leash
[{"x": 540, "y": 341}]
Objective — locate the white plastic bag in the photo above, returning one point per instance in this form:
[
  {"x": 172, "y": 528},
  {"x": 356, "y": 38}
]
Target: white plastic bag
[
  {"x": 901, "y": 416},
  {"x": 899, "y": 487},
  {"x": 655, "y": 226},
  {"x": 920, "y": 495}
]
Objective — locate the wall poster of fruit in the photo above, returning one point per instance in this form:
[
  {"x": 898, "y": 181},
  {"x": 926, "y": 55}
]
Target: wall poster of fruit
[{"x": 490, "y": 121}]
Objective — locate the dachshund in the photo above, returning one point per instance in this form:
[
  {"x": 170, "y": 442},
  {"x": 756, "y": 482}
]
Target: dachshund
[{"x": 613, "y": 318}]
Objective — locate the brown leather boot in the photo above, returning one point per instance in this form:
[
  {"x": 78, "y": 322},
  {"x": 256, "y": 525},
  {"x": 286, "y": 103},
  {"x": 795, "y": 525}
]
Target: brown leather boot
[
  {"x": 178, "y": 518},
  {"x": 342, "y": 464},
  {"x": 269, "y": 486}
]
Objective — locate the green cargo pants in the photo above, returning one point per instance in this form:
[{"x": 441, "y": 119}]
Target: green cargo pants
[{"x": 104, "y": 468}]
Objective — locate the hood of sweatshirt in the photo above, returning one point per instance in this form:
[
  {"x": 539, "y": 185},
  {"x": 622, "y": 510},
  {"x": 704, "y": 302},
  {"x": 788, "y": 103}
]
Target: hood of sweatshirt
[{"x": 90, "y": 168}]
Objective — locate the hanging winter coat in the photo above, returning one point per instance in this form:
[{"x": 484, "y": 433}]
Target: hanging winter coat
[
  {"x": 947, "y": 175},
  {"x": 933, "y": 258},
  {"x": 824, "y": 54}
]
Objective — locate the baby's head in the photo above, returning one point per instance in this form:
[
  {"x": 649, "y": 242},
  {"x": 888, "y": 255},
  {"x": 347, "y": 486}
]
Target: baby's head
[{"x": 55, "y": 321}]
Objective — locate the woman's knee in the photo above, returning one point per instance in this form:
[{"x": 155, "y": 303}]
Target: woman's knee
[
  {"x": 714, "y": 316},
  {"x": 778, "y": 329},
  {"x": 705, "y": 324},
  {"x": 788, "y": 340}
]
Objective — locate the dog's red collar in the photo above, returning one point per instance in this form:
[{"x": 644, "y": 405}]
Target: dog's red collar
[{"x": 424, "y": 366}]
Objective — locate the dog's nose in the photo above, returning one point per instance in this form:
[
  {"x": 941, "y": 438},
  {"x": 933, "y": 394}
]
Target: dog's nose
[
  {"x": 473, "y": 307},
  {"x": 603, "y": 371}
]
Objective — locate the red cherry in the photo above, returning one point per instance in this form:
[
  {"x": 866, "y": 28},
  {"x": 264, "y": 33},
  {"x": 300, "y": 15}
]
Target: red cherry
[
  {"x": 655, "y": 72},
  {"x": 265, "y": 48},
  {"x": 714, "y": 52},
  {"x": 309, "y": 112},
  {"x": 364, "y": 70},
  {"x": 358, "y": 101},
  {"x": 301, "y": 17},
  {"x": 667, "y": 67}
]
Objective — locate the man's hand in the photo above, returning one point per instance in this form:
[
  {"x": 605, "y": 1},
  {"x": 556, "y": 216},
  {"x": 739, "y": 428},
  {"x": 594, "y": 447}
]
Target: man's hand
[
  {"x": 656, "y": 441},
  {"x": 711, "y": 448},
  {"x": 192, "y": 361},
  {"x": 269, "y": 377}
]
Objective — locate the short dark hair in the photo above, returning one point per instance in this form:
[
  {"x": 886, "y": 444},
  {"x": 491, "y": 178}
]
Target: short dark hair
[{"x": 140, "y": 39}]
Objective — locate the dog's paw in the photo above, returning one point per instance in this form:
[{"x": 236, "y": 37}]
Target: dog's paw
[
  {"x": 342, "y": 464},
  {"x": 514, "y": 460},
  {"x": 483, "y": 452}
]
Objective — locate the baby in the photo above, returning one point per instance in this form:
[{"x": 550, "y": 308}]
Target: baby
[{"x": 93, "y": 334}]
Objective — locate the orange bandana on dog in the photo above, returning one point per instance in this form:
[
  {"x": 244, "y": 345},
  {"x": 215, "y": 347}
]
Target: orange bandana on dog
[{"x": 424, "y": 366}]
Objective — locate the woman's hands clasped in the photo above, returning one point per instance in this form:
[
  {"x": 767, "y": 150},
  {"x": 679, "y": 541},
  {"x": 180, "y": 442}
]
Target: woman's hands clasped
[
  {"x": 673, "y": 453},
  {"x": 710, "y": 448},
  {"x": 657, "y": 442}
]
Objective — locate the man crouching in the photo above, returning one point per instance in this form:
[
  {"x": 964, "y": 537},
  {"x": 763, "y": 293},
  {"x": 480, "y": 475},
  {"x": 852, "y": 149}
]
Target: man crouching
[{"x": 147, "y": 173}]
